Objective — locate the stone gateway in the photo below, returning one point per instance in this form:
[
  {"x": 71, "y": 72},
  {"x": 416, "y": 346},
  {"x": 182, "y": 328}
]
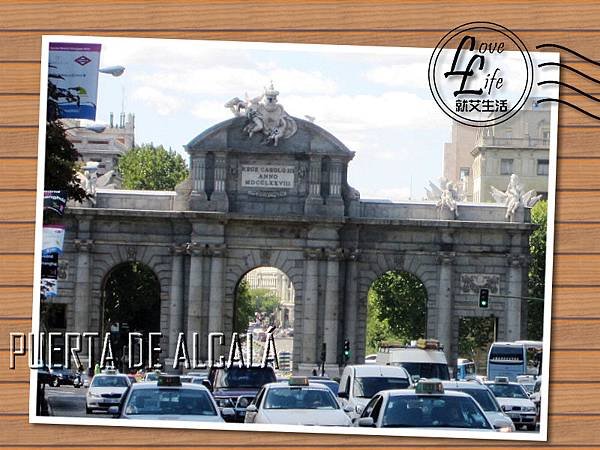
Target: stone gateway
[{"x": 249, "y": 203}]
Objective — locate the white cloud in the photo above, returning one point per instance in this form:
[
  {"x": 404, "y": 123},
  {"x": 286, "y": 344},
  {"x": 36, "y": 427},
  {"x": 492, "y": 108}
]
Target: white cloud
[
  {"x": 162, "y": 103},
  {"x": 412, "y": 75}
]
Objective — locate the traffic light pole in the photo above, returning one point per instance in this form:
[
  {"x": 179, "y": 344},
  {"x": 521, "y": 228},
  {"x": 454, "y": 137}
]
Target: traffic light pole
[{"x": 517, "y": 297}]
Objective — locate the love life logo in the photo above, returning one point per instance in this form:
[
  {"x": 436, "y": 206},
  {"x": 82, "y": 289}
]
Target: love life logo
[{"x": 481, "y": 74}]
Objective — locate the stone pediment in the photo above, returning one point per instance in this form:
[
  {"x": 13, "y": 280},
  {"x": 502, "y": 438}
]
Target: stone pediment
[{"x": 309, "y": 139}]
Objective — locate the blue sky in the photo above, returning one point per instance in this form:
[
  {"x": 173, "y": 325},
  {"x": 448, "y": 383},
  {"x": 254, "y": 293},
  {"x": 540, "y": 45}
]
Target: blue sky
[{"x": 375, "y": 100}]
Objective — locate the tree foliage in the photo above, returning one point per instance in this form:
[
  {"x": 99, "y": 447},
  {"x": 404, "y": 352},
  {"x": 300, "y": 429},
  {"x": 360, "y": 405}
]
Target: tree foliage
[
  {"x": 252, "y": 301},
  {"x": 147, "y": 167},
  {"x": 62, "y": 159},
  {"x": 474, "y": 338},
  {"x": 397, "y": 309},
  {"x": 133, "y": 295},
  {"x": 537, "y": 271}
]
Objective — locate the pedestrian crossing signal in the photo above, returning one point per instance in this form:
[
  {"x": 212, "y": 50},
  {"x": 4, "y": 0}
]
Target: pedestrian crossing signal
[{"x": 484, "y": 298}]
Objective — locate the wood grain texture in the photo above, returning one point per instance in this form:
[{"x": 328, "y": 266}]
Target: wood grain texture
[{"x": 575, "y": 386}]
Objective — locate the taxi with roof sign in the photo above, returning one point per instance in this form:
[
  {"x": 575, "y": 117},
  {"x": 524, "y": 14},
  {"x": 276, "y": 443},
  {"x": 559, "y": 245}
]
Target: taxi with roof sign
[
  {"x": 169, "y": 399},
  {"x": 426, "y": 406},
  {"x": 298, "y": 401},
  {"x": 514, "y": 401}
]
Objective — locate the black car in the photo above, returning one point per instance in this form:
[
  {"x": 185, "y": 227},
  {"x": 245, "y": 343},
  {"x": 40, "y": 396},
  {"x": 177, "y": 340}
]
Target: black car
[
  {"x": 236, "y": 387},
  {"x": 62, "y": 376}
]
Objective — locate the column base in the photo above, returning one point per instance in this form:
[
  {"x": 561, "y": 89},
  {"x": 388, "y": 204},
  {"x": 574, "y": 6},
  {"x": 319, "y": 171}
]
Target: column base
[{"x": 306, "y": 369}]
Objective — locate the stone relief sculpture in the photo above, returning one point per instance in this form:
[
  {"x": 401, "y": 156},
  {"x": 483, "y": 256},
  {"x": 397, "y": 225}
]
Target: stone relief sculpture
[
  {"x": 88, "y": 178},
  {"x": 514, "y": 197},
  {"x": 446, "y": 195},
  {"x": 264, "y": 115}
]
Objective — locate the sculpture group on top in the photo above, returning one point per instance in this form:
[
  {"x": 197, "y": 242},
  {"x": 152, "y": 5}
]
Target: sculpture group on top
[
  {"x": 445, "y": 196},
  {"x": 514, "y": 197},
  {"x": 264, "y": 115}
]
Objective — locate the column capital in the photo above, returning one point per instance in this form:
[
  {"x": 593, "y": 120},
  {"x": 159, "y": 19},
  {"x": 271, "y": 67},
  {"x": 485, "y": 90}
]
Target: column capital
[
  {"x": 178, "y": 249},
  {"x": 83, "y": 245},
  {"x": 334, "y": 254},
  {"x": 352, "y": 254},
  {"x": 517, "y": 260},
  {"x": 445, "y": 258},
  {"x": 313, "y": 253},
  {"x": 194, "y": 248},
  {"x": 216, "y": 250}
]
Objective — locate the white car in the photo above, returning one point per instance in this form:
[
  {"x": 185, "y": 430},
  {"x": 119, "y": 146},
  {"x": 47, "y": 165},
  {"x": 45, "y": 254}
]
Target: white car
[
  {"x": 169, "y": 399},
  {"x": 296, "y": 402},
  {"x": 360, "y": 383},
  {"x": 514, "y": 401},
  {"x": 106, "y": 390},
  {"x": 426, "y": 406},
  {"x": 486, "y": 400}
]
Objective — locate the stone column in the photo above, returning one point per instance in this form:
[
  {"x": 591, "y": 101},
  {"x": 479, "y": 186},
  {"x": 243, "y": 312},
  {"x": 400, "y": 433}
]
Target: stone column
[
  {"x": 310, "y": 309},
  {"x": 176, "y": 297},
  {"x": 217, "y": 291},
  {"x": 219, "y": 199},
  {"x": 444, "y": 303},
  {"x": 195, "y": 292},
  {"x": 314, "y": 201},
  {"x": 330, "y": 329},
  {"x": 513, "y": 302},
  {"x": 82, "y": 285},
  {"x": 351, "y": 302}
]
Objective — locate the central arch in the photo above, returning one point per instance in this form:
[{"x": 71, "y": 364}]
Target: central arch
[{"x": 264, "y": 297}]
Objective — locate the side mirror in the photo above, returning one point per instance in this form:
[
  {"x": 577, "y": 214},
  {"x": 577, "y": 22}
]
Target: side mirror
[
  {"x": 207, "y": 384},
  {"x": 251, "y": 409},
  {"x": 348, "y": 408},
  {"x": 415, "y": 378},
  {"x": 114, "y": 411},
  {"x": 342, "y": 394},
  {"x": 359, "y": 409},
  {"x": 228, "y": 413},
  {"x": 366, "y": 422}
]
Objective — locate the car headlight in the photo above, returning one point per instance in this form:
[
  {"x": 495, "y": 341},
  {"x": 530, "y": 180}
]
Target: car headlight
[
  {"x": 529, "y": 408},
  {"x": 91, "y": 394}
]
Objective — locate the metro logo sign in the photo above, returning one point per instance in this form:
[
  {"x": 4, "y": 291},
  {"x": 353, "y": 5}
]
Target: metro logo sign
[{"x": 83, "y": 60}]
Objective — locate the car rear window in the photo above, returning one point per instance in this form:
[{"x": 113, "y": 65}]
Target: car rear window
[
  {"x": 109, "y": 382},
  {"x": 160, "y": 401},
  {"x": 300, "y": 398}
]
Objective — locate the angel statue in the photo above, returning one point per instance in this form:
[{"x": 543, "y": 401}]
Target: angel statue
[
  {"x": 446, "y": 195},
  {"x": 514, "y": 197}
]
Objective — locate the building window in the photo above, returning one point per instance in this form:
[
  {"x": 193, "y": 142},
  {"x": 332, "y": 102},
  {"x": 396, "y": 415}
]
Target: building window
[
  {"x": 506, "y": 166},
  {"x": 464, "y": 172},
  {"x": 542, "y": 166}
]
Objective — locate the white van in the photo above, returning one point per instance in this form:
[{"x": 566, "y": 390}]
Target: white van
[
  {"x": 359, "y": 384},
  {"x": 422, "y": 359}
]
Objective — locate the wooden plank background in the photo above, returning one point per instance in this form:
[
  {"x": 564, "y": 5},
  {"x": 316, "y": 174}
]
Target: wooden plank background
[{"x": 575, "y": 364}]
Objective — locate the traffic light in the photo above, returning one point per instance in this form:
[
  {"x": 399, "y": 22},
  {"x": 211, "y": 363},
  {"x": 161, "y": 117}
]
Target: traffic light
[
  {"x": 484, "y": 298},
  {"x": 346, "y": 350}
]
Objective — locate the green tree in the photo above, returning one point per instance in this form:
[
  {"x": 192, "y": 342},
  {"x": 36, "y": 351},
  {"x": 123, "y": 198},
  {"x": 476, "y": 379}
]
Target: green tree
[
  {"x": 474, "y": 338},
  {"x": 147, "y": 167},
  {"x": 62, "y": 159},
  {"x": 378, "y": 330},
  {"x": 251, "y": 301},
  {"x": 537, "y": 271},
  {"x": 402, "y": 300}
]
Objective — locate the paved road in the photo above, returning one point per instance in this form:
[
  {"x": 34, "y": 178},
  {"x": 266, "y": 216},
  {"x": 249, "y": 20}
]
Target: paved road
[{"x": 67, "y": 401}]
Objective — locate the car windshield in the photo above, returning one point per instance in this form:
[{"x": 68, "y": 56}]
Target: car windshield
[
  {"x": 481, "y": 396},
  {"x": 108, "y": 381},
  {"x": 159, "y": 401},
  {"x": 332, "y": 385},
  {"x": 300, "y": 398},
  {"x": 151, "y": 376},
  {"x": 508, "y": 390},
  {"x": 427, "y": 370},
  {"x": 433, "y": 411},
  {"x": 367, "y": 387},
  {"x": 251, "y": 377}
]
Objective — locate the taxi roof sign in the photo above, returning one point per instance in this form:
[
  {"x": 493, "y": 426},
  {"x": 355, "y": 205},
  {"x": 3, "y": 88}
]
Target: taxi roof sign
[
  {"x": 168, "y": 380},
  {"x": 298, "y": 381},
  {"x": 501, "y": 380},
  {"x": 429, "y": 387}
]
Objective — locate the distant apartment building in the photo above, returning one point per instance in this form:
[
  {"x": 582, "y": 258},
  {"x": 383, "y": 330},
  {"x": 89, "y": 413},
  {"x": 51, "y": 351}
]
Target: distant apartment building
[
  {"x": 104, "y": 148},
  {"x": 478, "y": 158}
]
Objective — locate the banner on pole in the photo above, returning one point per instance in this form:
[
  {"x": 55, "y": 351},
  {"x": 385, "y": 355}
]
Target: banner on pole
[{"x": 73, "y": 68}]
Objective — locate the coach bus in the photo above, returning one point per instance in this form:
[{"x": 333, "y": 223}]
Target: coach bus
[{"x": 511, "y": 359}]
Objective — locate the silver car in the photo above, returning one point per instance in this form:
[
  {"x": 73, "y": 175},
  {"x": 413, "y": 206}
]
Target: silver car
[{"x": 486, "y": 400}]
